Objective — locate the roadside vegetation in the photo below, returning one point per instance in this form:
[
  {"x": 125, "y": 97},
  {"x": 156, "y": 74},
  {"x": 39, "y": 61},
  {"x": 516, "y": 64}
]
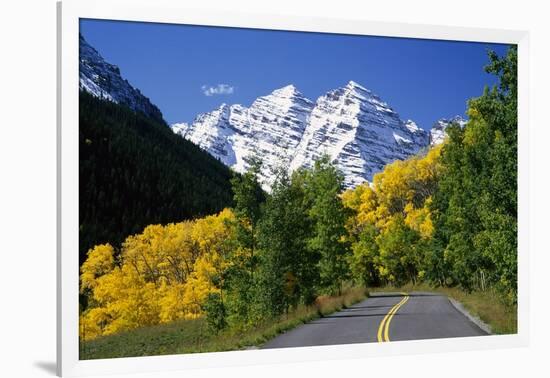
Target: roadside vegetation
[
  {"x": 446, "y": 219},
  {"x": 193, "y": 336}
]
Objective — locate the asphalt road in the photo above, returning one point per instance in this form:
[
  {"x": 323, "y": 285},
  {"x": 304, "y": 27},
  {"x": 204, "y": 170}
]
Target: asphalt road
[{"x": 383, "y": 317}]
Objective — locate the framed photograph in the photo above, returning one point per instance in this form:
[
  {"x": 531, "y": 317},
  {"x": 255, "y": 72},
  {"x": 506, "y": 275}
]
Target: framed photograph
[{"x": 241, "y": 189}]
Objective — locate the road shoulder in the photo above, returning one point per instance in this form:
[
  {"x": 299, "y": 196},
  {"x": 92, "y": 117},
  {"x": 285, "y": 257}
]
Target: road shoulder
[{"x": 474, "y": 319}]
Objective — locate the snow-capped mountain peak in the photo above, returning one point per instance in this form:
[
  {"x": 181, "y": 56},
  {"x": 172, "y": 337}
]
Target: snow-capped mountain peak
[
  {"x": 354, "y": 85},
  {"x": 103, "y": 80},
  {"x": 351, "y": 124},
  {"x": 282, "y": 100},
  {"x": 287, "y": 91},
  {"x": 359, "y": 131}
]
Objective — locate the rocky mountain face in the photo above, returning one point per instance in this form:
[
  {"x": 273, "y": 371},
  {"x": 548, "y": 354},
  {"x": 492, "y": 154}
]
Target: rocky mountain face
[
  {"x": 103, "y": 80},
  {"x": 438, "y": 133},
  {"x": 271, "y": 129},
  {"x": 352, "y": 125}
]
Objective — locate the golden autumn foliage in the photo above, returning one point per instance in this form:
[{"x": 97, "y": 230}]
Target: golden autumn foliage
[
  {"x": 420, "y": 220},
  {"x": 100, "y": 262},
  {"x": 163, "y": 274},
  {"x": 391, "y": 218},
  {"x": 403, "y": 187}
]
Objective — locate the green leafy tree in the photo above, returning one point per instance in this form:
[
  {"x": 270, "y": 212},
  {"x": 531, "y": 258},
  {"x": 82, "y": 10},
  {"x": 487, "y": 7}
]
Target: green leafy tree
[
  {"x": 214, "y": 309},
  {"x": 476, "y": 202},
  {"x": 400, "y": 252},
  {"x": 364, "y": 258},
  {"x": 248, "y": 198},
  {"x": 324, "y": 183},
  {"x": 285, "y": 261}
]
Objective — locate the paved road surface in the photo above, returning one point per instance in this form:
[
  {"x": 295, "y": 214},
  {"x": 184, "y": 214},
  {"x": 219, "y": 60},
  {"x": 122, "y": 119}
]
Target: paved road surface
[{"x": 383, "y": 317}]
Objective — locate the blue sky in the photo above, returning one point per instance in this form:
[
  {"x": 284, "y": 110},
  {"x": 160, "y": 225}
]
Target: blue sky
[{"x": 182, "y": 68}]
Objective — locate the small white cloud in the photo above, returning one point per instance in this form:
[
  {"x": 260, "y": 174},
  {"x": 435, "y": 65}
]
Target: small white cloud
[{"x": 219, "y": 89}]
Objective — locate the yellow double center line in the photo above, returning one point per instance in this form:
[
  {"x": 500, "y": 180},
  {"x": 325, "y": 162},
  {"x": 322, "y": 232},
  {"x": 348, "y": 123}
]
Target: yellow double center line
[{"x": 384, "y": 328}]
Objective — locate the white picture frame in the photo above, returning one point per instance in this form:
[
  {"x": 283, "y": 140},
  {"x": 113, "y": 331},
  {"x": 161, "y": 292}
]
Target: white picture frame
[{"x": 171, "y": 11}]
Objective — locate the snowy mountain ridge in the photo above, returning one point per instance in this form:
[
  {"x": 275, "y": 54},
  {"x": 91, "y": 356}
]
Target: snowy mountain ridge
[
  {"x": 351, "y": 124},
  {"x": 103, "y": 80}
]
